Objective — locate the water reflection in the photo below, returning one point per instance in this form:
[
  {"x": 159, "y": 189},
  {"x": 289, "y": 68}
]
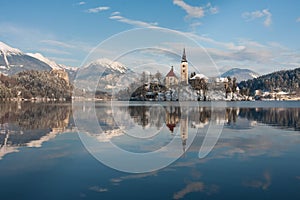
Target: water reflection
[
  {"x": 286, "y": 118},
  {"x": 30, "y": 124},
  {"x": 256, "y": 154}
]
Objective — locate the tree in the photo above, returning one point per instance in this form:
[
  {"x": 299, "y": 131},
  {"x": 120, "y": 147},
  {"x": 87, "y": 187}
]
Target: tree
[
  {"x": 143, "y": 78},
  {"x": 159, "y": 77}
]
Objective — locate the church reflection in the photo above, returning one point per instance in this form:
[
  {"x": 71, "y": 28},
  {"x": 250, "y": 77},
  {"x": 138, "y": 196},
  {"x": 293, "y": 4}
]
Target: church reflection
[
  {"x": 31, "y": 124},
  {"x": 179, "y": 118}
]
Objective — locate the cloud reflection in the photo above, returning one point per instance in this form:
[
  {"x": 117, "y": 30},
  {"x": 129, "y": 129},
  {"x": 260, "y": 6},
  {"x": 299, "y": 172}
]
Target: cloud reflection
[{"x": 263, "y": 183}]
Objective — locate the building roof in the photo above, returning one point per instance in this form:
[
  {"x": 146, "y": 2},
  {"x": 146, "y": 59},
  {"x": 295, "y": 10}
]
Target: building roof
[
  {"x": 171, "y": 127},
  {"x": 183, "y": 59},
  {"x": 171, "y": 73},
  {"x": 199, "y": 76}
]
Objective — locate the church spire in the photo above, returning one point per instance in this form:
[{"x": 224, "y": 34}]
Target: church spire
[{"x": 183, "y": 59}]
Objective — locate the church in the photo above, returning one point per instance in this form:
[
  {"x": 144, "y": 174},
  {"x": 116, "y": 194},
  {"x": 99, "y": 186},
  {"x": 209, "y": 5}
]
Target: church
[{"x": 172, "y": 80}]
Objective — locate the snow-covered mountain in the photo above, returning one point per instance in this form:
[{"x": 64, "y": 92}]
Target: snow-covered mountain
[
  {"x": 13, "y": 60},
  {"x": 7, "y": 50},
  {"x": 111, "y": 75},
  {"x": 106, "y": 64},
  {"x": 70, "y": 70},
  {"x": 42, "y": 58},
  {"x": 240, "y": 74}
]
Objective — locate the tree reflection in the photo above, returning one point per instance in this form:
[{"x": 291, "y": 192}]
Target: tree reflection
[
  {"x": 23, "y": 123},
  {"x": 288, "y": 118}
]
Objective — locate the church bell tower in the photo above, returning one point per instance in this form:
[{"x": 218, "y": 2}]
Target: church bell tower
[{"x": 184, "y": 69}]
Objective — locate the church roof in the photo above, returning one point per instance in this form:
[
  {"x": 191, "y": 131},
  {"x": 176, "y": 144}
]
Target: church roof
[
  {"x": 171, "y": 73},
  {"x": 183, "y": 59},
  {"x": 171, "y": 127}
]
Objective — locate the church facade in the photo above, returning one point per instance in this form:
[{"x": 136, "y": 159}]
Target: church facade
[{"x": 172, "y": 80}]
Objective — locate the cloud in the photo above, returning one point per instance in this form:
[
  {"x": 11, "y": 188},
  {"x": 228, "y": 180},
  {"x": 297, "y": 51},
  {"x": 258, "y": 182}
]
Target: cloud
[
  {"x": 98, "y": 189},
  {"x": 196, "y": 11},
  {"x": 263, "y": 184},
  {"x": 138, "y": 23},
  {"x": 115, "y": 13},
  {"x": 195, "y": 24},
  {"x": 265, "y": 13},
  {"x": 298, "y": 19},
  {"x": 98, "y": 9},
  {"x": 81, "y": 3},
  {"x": 57, "y": 43},
  {"x": 196, "y": 187},
  {"x": 192, "y": 187},
  {"x": 226, "y": 45},
  {"x": 212, "y": 10},
  {"x": 266, "y": 58}
]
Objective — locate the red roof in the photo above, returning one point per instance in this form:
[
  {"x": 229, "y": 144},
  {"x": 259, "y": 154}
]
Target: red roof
[
  {"x": 171, "y": 73},
  {"x": 171, "y": 127}
]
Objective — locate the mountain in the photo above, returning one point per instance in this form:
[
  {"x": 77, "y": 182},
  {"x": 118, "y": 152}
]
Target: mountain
[
  {"x": 111, "y": 75},
  {"x": 240, "y": 74},
  {"x": 70, "y": 70},
  {"x": 285, "y": 80},
  {"x": 13, "y": 60},
  {"x": 42, "y": 58}
]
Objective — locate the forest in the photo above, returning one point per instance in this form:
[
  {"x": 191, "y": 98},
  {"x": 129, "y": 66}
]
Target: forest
[
  {"x": 285, "y": 80},
  {"x": 34, "y": 85}
]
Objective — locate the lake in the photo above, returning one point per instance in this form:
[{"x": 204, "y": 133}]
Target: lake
[{"x": 150, "y": 150}]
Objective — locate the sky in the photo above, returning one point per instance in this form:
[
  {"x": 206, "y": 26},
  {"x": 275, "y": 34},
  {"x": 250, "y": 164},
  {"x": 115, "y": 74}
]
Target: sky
[{"x": 261, "y": 35}]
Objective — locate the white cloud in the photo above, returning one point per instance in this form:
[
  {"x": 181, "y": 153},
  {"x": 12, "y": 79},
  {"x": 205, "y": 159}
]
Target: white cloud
[
  {"x": 57, "y": 43},
  {"x": 133, "y": 22},
  {"x": 81, "y": 3},
  {"x": 196, "y": 11},
  {"x": 263, "y": 58},
  {"x": 298, "y": 19},
  {"x": 115, "y": 13},
  {"x": 191, "y": 187},
  {"x": 212, "y": 10},
  {"x": 98, "y": 189},
  {"x": 98, "y": 9},
  {"x": 54, "y": 51},
  {"x": 195, "y": 24},
  {"x": 193, "y": 12},
  {"x": 226, "y": 45},
  {"x": 265, "y": 13}
]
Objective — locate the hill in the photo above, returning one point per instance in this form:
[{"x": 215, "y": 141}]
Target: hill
[
  {"x": 285, "y": 80},
  {"x": 240, "y": 74},
  {"x": 13, "y": 61},
  {"x": 34, "y": 84}
]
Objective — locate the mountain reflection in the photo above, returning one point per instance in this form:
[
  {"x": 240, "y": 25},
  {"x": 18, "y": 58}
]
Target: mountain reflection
[{"x": 30, "y": 124}]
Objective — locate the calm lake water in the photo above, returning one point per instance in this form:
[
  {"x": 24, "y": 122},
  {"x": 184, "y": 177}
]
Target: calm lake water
[{"x": 257, "y": 154}]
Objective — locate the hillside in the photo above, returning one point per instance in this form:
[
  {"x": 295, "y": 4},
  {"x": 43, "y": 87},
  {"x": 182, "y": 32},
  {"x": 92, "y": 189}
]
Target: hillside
[
  {"x": 13, "y": 61},
  {"x": 286, "y": 80},
  {"x": 34, "y": 84},
  {"x": 240, "y": 74}
]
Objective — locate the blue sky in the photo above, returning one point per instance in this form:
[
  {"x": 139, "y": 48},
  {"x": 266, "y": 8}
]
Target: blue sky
[{"x": 257, "y": 34}]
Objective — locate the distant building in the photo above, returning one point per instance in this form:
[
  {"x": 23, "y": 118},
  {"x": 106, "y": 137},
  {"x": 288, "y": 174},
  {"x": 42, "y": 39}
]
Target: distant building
[
  {"x": 171, "y": 78},
  {"x": 184, "y": 69}
]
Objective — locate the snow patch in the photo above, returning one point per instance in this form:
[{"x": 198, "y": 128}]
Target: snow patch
[
  {"x": 116, "y": 66},
  {"x": 7, "y": 50},
  {"x": 42, "y": 58}
]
